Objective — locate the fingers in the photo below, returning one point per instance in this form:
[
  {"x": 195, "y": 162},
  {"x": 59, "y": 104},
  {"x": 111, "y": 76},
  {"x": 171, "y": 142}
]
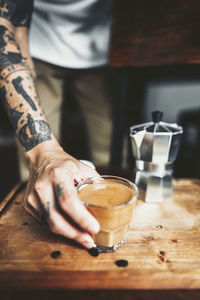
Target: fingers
[
  {"x": 59, "y": 225},
  {"x": 87, "y": 172},
  {"x": 32, "y": 213},
  {"x": 70, "y": 203},
  {"x": 32, "y": 207},
  {"x": 57, "y": 222},
  {"x": 51, "y": 193}
]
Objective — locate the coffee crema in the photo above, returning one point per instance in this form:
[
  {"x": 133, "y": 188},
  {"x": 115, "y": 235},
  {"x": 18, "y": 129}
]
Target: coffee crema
[{"x": 106, "y": 194}]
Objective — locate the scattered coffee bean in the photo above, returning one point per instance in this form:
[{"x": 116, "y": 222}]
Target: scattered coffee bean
[
  {"x": 159, "y": 226},
  {"x": 149, "y": 238},
  {"x": 93, "y": 251},
  {"x": 162, "y": 253},
  {"x": 161, "y": 258},
  {"x": 121, "y": 263},
  {"x": 55, "y": 254},
  {"x": 174, "y": 241}
]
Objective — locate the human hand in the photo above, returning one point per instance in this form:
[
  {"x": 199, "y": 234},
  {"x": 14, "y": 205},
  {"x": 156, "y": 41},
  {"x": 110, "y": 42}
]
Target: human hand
[{"x": 51, "y": 193}]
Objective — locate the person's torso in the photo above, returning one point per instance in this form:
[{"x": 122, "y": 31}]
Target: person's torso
[{"x": 71, "y": 33}]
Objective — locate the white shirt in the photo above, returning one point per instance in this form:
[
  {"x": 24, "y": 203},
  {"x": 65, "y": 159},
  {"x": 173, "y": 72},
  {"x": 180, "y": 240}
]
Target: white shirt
[{"x": 71, "y": 33}]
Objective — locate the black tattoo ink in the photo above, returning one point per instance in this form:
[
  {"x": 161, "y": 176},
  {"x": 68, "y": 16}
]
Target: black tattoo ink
[
  {"x": 17, "y": 82},
  {"x": 34, "y": 133},
  {"x": 14, "y": 114},
  {"x": 8, "y": 58},
  {"x": 3, "y": 99},
  {"x": 3, "y": 94},
  {"x": 18, "y": 12},
  {"x": 46, "y": 209},
  {"x": 14, "y": 117},
  {"x": 59, "y": 190}
]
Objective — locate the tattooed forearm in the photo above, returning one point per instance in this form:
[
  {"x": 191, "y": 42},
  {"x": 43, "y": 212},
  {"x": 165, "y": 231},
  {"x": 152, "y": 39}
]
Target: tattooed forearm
[
  {"x": 33, "y": 133},
  {"x": 19, "y": 96},
  {"x": 17, "y": 82},
  {"x": 27, "y": 118},
  {"x": 18, "y": 90},
  {"x": 9, "y": 50},
  {"x": 6, "y": 72}
]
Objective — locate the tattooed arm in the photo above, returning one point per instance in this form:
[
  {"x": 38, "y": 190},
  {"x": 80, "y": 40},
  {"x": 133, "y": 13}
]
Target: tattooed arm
[
  {"x": 50, "y": 191},
  {"x": 17, "y": 88}
]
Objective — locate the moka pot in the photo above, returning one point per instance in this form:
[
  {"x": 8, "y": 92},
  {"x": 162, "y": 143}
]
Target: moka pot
[{"x": 155, "y": 146}]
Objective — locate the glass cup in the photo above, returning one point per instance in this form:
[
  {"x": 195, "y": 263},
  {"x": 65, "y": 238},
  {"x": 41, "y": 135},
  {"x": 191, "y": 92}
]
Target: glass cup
[{"x": 111, "y": 200}]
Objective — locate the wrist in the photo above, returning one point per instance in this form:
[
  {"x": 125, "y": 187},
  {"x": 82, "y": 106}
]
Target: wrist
[{"x": 36, "y": 153}]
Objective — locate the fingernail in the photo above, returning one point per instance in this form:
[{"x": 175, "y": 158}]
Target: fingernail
[
  {"x": 94, "y": 228},
  {"x": 88, "y": 244}
]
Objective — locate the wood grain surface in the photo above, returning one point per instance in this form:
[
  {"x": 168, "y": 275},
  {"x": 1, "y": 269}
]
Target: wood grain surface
[
  {"x": 162, "y": 250},
  {"x": 155, "y": 33}
]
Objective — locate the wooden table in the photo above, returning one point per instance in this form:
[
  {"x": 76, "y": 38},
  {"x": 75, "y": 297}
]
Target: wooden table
[{"x": 162, "y": 250}]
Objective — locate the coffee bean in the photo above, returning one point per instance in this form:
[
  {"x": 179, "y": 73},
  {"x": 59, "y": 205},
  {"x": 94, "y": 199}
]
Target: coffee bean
[
  {"x": 159, "y": 226},
  {"x": 174, "y": 241},
  {"x": 161, "y": 257},
  {"x": 55, "y": 254},
  {"x": 121, "y": 263},
  {"x": 93, "y": 251}
]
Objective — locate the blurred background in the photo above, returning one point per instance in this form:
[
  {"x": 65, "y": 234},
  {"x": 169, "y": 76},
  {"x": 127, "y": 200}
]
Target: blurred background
[{"x": 155, "y": 61}]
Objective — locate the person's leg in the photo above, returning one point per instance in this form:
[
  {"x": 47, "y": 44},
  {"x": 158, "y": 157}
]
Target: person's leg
[
  {"x": 50, "y": 89},
  {"x": 92, "y": 89}
]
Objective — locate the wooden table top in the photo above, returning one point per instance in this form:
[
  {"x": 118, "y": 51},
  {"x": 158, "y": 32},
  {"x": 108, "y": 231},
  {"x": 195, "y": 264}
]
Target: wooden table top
[{"x": 162, "y": 250}]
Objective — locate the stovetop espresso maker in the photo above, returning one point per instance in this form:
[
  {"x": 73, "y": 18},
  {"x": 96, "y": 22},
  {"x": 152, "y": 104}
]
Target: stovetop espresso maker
[{"x": 155, "y": 146}]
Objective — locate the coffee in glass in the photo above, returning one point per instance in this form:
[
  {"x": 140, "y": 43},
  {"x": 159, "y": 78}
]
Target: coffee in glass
[{"x": 111, "y": 200}]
